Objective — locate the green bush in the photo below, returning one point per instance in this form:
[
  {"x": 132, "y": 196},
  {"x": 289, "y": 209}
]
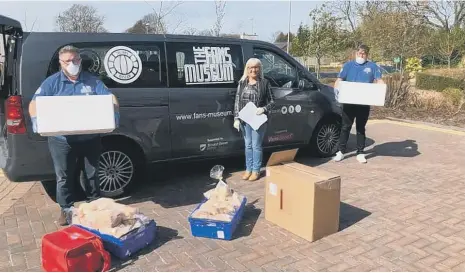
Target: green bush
[
  {"x": 438, "y": 83},
  {"x": 454, "y": 95}
]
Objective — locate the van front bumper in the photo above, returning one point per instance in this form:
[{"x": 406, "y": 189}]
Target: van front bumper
[{"x": 26, "y": 160}]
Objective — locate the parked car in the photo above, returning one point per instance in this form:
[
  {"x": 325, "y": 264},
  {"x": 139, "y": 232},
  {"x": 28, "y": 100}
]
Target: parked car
[{"x": 176, "y": 96}]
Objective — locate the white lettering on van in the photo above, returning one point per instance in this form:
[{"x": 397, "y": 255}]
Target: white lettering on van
[{"x": 211, "y": 65}]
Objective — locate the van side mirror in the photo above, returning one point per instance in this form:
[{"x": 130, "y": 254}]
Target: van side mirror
[{"x": 305, "y": 84}]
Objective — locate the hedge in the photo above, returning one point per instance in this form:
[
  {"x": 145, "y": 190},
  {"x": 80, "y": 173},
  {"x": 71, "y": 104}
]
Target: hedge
[{"x": 438, "y": 83}]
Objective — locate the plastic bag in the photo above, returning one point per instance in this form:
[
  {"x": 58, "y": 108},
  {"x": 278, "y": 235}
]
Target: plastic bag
[
  {"x": 222, "y": 202},
  {"x": 217, "y": 172}
]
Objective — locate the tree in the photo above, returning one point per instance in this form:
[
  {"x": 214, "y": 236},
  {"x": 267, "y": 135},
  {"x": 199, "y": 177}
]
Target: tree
[
  {"x": 281, "y": 37},
  {"x": 348, "y": 11},
  {"x": 219, "y": 11},
  {"x": 156, "y": 21},
  {"x": 300, "y": 42},
  {"x": 325, "y": 38},
  {"x": 80, "y": 18},
  {"x": 190, "y": 31},
  {"x": 403, "y": 34},
  {"x": 138, "y": 28},
  {"x": 449, "y": 44},
  {"x": 445, "y": 15}
]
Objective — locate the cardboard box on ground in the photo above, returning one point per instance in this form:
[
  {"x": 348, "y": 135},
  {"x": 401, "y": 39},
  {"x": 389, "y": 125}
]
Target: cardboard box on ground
[
  {"x": 75, "y": 115},
  {"x": 301, "y": 199},
  {"x": 373, "y": 94}
]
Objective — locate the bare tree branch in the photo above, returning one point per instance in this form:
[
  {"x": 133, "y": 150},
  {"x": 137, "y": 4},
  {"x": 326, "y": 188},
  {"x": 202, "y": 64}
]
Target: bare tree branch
[
  {"x": 219, "y": 10},
  {"x": 441, "y": 15},
  {"x": 156, "y": 22}
]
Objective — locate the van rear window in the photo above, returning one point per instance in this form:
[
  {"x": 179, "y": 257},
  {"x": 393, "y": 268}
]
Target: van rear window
[
  {"x": 204, "y": 64},
  {"x": 122, "y": 65}
]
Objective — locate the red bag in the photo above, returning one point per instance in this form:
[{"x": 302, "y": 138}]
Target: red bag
[{"x": 74, "y": 249}]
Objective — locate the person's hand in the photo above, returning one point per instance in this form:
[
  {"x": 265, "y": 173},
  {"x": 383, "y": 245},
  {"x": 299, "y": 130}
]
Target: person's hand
[
  {"x": 34, "y": 124},
  {"x": 236, "y": 124},
  {"x": 260, "y": 110}
]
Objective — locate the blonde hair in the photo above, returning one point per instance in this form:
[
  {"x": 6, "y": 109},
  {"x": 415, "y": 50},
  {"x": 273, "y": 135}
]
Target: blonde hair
[{"x": 250, "y": 62}]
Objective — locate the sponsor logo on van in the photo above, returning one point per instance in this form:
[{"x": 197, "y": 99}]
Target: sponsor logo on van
[
  {"x": 213, "y": 144},
  {"x": 288, "y": 109},
  {"x": 281, "y": 136},
  {"x": 211, "y": 65},
  {"x": 122, "y": 64}
]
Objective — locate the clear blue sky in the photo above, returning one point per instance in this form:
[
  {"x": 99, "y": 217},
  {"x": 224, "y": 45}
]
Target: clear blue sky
[{"x": 268, "y": 16}]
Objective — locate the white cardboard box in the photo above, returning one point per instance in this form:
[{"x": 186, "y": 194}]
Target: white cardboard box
[
  {"x": 362, "y": 93},
  {"x": 75, "y": 115}
]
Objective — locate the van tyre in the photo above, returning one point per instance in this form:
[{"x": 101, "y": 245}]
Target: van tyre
[
  {"x": 325, "y": 138},
  {"x": 120, "y": 167}
]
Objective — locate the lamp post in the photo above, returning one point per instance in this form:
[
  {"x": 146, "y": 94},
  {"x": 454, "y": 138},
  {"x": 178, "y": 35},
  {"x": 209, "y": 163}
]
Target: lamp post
[{"x": 289, "y": 28}]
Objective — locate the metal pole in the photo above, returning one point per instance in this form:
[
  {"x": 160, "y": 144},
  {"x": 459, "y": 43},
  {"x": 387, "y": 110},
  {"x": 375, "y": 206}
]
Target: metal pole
[{"x": 289, "y": 28}]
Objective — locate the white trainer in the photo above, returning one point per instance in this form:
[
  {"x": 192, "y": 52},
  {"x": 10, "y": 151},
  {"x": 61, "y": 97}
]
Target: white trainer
[
  {"x": 361, "y": 158},
  {"x": 339, "y": 156}
]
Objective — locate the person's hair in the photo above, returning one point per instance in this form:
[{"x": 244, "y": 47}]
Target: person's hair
[
  {"x": 250, "y": 62},
  {"x": 69, "y": 49},
  {"x": 364, "y": 48}
]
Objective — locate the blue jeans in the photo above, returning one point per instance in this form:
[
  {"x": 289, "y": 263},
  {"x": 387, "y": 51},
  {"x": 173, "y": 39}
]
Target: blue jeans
[
  {"x": 253, "y": 146},
  {"x": 65, "y": 157}
]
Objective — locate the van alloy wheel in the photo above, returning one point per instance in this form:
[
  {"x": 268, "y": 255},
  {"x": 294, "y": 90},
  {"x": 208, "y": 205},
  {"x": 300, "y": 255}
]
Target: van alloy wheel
[
  {"x": 116, "y": 170},
  {"x": 328, "y": 138}
]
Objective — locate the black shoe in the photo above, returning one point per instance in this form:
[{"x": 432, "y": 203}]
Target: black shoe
[{"x": 63, "y": 220}]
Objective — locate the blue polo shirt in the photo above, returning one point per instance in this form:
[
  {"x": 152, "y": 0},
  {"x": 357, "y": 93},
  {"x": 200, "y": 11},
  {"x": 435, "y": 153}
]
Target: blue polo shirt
[
  {"x": 364, "y": 73},
  {"x": 59, "y": 85}
]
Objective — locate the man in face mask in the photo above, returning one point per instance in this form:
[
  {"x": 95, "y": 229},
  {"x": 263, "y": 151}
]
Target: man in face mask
[
  {"x": 67, "y": 149},
  {"x": 364, "y": 71}
]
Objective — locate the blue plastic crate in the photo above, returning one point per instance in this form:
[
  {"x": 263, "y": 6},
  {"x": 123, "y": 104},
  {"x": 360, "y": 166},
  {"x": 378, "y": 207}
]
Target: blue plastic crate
[
  {"x": 216, "y": 229},
  {"x": 130, "y": 243}
]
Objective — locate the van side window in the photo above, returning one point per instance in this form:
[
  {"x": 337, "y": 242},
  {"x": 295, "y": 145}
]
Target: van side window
[
  {"x": 203, "y": 65},
  {"x": 124, "y": 69},
  {"x": 277, "y": 70}
]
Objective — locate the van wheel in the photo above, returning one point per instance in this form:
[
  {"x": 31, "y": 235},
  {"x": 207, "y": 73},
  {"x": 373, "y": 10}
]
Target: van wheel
[
  {"x": 325, "y": 138},
  {"x": 120, "y": 167}
]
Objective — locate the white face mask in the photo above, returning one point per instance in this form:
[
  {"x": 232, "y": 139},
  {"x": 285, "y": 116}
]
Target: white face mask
[
  {"x": 360, "y": 60},
  {"x": 73, "y": 69}
]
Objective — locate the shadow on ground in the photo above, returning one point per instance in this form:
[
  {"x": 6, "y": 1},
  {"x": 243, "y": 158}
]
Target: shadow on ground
[
  {"x": 164, "y": 235},
  {"x": 350, "y": 215},
  {"x": 406, "y": 148},
  {"x": 317, "y": 161},
  {"x": 250, "y": 218}
]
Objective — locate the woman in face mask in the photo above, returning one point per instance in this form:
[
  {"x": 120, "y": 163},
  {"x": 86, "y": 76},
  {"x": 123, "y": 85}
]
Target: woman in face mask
[{"x": 253, "y": 87}]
